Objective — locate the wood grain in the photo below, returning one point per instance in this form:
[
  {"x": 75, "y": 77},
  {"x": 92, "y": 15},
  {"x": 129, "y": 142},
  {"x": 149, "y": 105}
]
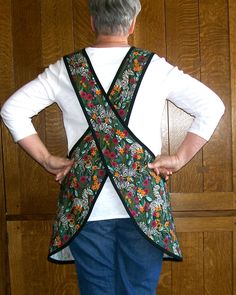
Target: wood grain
[
  {"x": 234, "y": 258},
  {"x": 83, "y": 35},
  {"x": 6, "y": 88},
  {"x": 3, "y": 231},
  {"x": 26, "y": 189},
  {"x": 188, "y": 277},
  {"x": 28, "y": 247},
  {"x": 182, "y": 36},
  {"x": 150, "y": 27},
  {"x": 203, "y": 201},
  {"x": 196, "y": 224},
  {"x": 10, "y": 155},
  {"x": 6, "y": 69},
  {"x": 215, "y": 73},
  {"x": 232, "y": 39},
  {"x": 56, "y": 42},
  {"x": 218, "y": 263}
]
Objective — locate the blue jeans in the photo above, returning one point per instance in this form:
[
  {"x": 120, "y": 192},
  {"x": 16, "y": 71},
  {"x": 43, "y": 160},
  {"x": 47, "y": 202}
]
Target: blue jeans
[{"x": 113, "y": 258}]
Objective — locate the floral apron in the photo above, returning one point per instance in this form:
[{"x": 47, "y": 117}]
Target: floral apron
[{"x": 108, "y": 148}]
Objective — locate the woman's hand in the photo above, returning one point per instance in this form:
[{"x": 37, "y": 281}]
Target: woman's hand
[
  {"x": 58, "y": 166},
  {"x": 165, "y": 165}
]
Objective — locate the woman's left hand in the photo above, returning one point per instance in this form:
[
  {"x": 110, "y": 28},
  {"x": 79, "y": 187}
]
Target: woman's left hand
[{"x": 165, "y": 165}]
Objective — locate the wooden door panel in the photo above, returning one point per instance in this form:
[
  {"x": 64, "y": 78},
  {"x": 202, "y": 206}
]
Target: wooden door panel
[
  {"x": 31, "y": 273},
  {"x": 83, "y": 35},
  {"x": 6, "y": 88},
  {"x": 218, "y": 262},
  {"x": 182, "y": 30},
  {"x": 188, "y": 277},
  {"x": 150, "y": 30},
  {"x": 215, "y": 73},
  {"x": 207, "y": 244}
]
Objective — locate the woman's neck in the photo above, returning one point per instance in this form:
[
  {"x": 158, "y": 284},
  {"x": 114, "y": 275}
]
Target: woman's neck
[{"x": 111, "y": 41}]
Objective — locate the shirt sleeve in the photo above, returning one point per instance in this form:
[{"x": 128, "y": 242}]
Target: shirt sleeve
[
  {"x": 196, "y": 99},
  {"x": 29, "y": 100}
]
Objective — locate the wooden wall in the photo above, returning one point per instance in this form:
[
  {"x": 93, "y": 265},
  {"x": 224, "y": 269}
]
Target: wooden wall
[{"x": 196, "y": 35}]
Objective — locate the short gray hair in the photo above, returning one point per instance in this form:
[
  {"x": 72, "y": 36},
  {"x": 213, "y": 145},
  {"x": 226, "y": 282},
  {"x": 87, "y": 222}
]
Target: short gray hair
[{"x": 113, "y": 17}]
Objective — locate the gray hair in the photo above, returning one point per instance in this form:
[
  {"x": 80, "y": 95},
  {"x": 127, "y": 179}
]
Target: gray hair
[{"x": 113, "y": 17}]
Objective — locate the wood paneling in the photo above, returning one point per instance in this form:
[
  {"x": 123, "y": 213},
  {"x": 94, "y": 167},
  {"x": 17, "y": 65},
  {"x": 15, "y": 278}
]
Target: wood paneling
[
  {"x": 3, "y": 232},
  {"x": 196, "y": 35},
  {"x": 207, "y": 266},
  {"x": 182, "y": 31},
  {"x": 218, "y": 263},
  {"x": 56, "y": 42},
  {"x": 6, "y": 88},
  {"x": 203, "y": 201},
  {"x": 57, "y": 35},
  {"x": 30, "y": 273},
  {"x": 215, "y": 73},
  {"x": 25, "y": 192},
  {"x": 190, "y": 278},
  {"x": 232, "y": 36},
  {"x": 83, "y": 35},
  {"x": 152, "y": 17}
]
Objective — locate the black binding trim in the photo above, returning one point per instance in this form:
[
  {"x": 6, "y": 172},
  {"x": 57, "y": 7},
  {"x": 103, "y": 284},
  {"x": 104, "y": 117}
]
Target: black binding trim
[{"x": 172, "y": 255}]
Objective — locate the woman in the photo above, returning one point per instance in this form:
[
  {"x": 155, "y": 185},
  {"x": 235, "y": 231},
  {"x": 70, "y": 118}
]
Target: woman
[{"x": 114, "y": 217}]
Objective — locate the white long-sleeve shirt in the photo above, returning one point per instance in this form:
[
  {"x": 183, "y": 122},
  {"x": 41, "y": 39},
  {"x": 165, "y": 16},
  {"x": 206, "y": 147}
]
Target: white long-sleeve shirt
[{"x": 161, "y": 81}]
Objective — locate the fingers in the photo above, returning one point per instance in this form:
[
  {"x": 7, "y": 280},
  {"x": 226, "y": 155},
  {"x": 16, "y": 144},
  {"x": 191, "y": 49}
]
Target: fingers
[
  {"x": 62, "y": 173},
  {"x": 160, "y": 166}
]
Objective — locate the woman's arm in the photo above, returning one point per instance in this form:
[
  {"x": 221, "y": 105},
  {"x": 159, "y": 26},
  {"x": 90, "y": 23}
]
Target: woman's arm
[
  {"x": 197, "y": 100},
  {"x": 37, "y": 150}
]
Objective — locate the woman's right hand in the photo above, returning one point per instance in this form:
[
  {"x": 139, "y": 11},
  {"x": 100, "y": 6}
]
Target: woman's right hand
[{"x": 58, "y": 166}]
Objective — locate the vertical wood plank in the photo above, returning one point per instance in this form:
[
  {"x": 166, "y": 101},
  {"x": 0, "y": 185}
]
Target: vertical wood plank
[
  {"x": 6, "y": 69},
  {"x": 57, "y": 30},
  {"x": 232, "y": 36},
  {"x": 234, "y": 258},
  {"x": 218, "y": 263},
  {"x": 28, "y": 245},
  {"x": 150, "y": 33},
  {"x": 6, "y": 87},
  {"x": 83, "y": 35},
  {"x": 3, "y": 231},
  {"x": 25, "y": 183},
  {"x": 150, "y": 27},
  {"x": 56, "y": 42},
  {"x": 215, "y": 73},
  {"x": 10, "y": 155},
  {"x": 182, "y": 31},
  {"x": 188, "y": 276}
]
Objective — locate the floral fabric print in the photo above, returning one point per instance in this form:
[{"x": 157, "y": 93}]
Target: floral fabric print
[{"x": 109, "y": 148}]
